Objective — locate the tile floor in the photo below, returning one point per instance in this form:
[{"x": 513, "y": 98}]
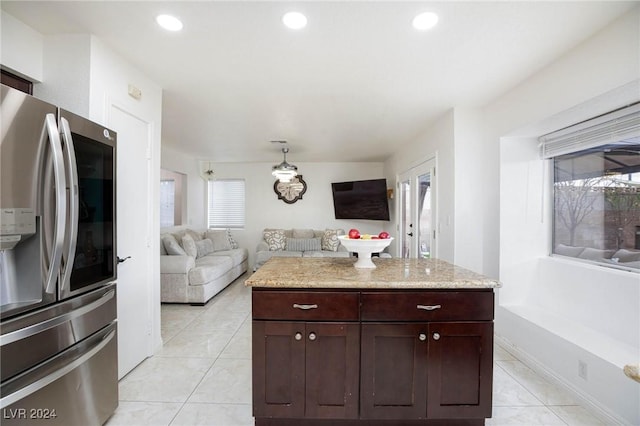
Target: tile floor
[{"x": 202, "y": 375}]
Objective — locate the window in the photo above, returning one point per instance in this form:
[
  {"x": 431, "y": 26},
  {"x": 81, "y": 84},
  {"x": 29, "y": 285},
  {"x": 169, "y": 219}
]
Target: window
[
  {"x": 226, "y": 203},
  {"x": 596, "y": 186},
  {"x": 167, "y": 202}
]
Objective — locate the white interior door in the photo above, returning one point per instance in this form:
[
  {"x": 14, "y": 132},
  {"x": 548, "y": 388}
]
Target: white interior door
[
  {"x": 133, "y": 210},
  {"x": 417, "y": 216}
]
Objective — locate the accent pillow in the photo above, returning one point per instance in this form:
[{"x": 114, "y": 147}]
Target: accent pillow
[
  {"x": 565, "y": 250},
  {"x": 302, "y": 233},
  {"x": 595, "y": 254},
  {"x": 275, "y": 239},
  {"x": 330, "y": 240},
  {"x": 219, "y": 239},
  {"x": 624, "y": 255},
  {"x": 303, "y": 244},
  {"x": 232, "y": 241},
  {"x": 189, "y": 245},
  {"x": 171, "y": 245},
  {"x": 204, "y": 247}
]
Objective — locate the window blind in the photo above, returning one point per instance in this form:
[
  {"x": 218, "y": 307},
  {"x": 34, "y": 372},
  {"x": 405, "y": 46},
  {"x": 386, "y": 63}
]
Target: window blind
[
  {"x": 619, "y": 126},
  {"x": 226, "y": 203}
]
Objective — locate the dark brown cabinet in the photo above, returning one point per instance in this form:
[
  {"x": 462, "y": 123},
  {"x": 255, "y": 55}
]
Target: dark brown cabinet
[
  {"x": 372, "y": 357},
  {"x": 426, "y": 370},
  {"x": 306, "y": 369}
]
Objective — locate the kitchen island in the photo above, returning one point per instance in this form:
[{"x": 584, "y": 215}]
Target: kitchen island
[{"x": 407, "y": 343}]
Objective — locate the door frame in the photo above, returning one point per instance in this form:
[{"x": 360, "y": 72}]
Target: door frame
[{"x": 411, "y": 174}]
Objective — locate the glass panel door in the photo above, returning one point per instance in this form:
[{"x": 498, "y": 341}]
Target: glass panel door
[{"x": 417, "y": 211}]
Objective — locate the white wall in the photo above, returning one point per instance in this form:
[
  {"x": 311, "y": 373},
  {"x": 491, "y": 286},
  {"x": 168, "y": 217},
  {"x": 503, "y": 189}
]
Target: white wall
[
  {"x": 21, "y": 48},
  {"x": 558, "y": 312}
]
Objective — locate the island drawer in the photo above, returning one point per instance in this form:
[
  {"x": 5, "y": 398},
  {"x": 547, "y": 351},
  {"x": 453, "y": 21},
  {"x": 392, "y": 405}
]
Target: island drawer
[
  {"x": 427, "y": 306},
  {"x": 306, "y": 305}
]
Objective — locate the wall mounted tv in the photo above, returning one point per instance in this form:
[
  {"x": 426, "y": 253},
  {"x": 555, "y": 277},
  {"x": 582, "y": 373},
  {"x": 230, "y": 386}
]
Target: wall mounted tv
[{"x": 361, "y": 199}]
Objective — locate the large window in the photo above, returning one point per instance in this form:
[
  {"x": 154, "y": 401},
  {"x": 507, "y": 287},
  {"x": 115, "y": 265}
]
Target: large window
[
  {"x": 597, "y": 191},
  {"x": 225, "y": 203}
]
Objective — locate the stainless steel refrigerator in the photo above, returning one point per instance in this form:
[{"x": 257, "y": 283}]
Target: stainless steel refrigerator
[{"x": 58, "y": 342}]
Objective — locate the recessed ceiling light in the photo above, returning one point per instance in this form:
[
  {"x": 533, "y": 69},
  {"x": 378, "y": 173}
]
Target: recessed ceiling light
[
  {"x": 425, "y": 21},
  {"x": 168, "y": 22},
  {"x": 294, "y": 20}
]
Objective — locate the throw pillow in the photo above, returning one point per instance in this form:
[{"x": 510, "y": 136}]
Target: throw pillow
[
  {"x": 275, "y": 239},
  {"x": 171, "y": 245},
  {"x": 303, "y": 244},
  {"x": 232, "y": 241},
  {"x": 330, "y": 240},
  {"x": 219, "y": 239},
  {"x": 204, "y": 247},
  {"x": 189, "y": 245},
  {"x": 302, "y": 233}
]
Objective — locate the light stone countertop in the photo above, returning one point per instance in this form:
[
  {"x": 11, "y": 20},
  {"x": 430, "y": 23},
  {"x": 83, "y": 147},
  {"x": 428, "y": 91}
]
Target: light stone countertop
[{"x": 394, "y": 273}]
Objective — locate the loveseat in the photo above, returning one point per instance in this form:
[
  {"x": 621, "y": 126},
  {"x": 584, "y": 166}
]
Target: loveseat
[
  {"x": 299, "y": 243},
  {"x": 629, "y": 258},
  {"x": 196, "y": 265}
]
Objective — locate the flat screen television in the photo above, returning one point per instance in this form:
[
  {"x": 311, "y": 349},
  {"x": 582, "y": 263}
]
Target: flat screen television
[{"x": 361, "y": 199}]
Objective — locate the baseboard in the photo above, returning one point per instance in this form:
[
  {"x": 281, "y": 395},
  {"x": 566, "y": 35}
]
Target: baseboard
[{"x": 587, "y": 401}]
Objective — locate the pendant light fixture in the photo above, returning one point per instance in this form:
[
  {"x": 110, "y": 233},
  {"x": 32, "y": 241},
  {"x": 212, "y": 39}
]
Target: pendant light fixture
[{"x": 284, "y": 171}]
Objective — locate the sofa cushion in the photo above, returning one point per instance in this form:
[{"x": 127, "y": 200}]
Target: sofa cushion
[
  {"x": 330, "y": 240},
  {"x": 595, "y": 254},
  {"x": 219, "y": 238},
  {"x": 195, "y": 235},
  {"x": 303, "y": 244},
  {"x": 171, "y": 245},
  {"x": 237, "y": 256},
  {"x": 232, "y": 241},
  {"x": 325, "y": 253},
  {"x": 208, "y": 268},
  {"x": 189, "y": 245},
  {"x": 285, "y": 253},
  {"x": 302, "y": 233},
  {"x": 624, "y": 255},
  {"x": 204, "y": 247},
  {"x": 275, "y": 239},
  {"x": 565, "y": 250}
]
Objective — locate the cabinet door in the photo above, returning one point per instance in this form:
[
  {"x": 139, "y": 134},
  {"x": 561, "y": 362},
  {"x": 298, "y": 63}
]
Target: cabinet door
[
  {"x": 460, "y": 371},
  {"x": 332, "y": 370},
  {"x": 394, "y": 371},
  {"x": 278, "y": 369}
]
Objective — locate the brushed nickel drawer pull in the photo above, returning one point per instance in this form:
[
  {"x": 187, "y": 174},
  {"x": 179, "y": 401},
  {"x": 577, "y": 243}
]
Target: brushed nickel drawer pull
[
  {"x": 305, "y": 307},
  {"x": 429, "y": 307}
]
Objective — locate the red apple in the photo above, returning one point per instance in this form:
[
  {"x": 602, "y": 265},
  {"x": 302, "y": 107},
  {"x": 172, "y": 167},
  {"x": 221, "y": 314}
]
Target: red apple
[
  {"x": 383, "y": 235},
  {"x": 354, "y": 234}
]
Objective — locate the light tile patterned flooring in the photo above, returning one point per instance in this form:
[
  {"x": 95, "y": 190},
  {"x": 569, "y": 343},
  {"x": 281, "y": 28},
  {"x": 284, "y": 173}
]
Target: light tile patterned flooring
[{"x": 202, "y": 375}]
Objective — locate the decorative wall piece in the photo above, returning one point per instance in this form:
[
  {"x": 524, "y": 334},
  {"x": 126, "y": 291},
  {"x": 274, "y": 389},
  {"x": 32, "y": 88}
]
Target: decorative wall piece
[{"x": 292, "y": 191}]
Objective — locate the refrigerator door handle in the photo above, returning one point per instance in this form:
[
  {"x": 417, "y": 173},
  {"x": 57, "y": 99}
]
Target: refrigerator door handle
[
  {"x": 24, "y": 392},
  {"x": 50, "y": 270},
  {"x": 29, "y": 331},
  {"x": 71, "y": 236}
]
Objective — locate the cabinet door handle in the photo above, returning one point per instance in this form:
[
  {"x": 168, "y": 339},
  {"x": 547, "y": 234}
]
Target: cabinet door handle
[
  {"x": 312, "y": 336},
  {"x": 429, "y": 307},
  {"x": 298, "y": 336},
  {"x": 436, "y": 336},
  {"x": 305, "y": 307},
  {"x": 422, "y": 337}
]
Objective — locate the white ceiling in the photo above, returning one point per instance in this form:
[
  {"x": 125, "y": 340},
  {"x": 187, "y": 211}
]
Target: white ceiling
[{"x": 355, "y": 85}]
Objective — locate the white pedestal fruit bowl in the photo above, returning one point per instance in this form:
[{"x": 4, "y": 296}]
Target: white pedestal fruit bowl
[{"x": 364, "y": 248}]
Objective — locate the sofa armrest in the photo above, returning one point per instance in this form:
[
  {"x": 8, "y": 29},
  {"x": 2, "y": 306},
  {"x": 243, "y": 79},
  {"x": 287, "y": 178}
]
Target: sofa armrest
[
  {"x": 176, "y": 264},
  {"x": 262, "y": 246}
]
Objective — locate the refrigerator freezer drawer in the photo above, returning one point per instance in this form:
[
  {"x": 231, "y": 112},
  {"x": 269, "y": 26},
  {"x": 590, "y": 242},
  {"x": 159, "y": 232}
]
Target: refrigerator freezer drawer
[
  {"x": 77, "y": 387},
  {"x": 33, "y": 338}
]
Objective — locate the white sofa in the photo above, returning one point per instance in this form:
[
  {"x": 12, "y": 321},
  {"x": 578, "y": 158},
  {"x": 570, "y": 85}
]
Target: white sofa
[
  {"x": 299, "y": 243},
  {"x": 196, "y": 265}
]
